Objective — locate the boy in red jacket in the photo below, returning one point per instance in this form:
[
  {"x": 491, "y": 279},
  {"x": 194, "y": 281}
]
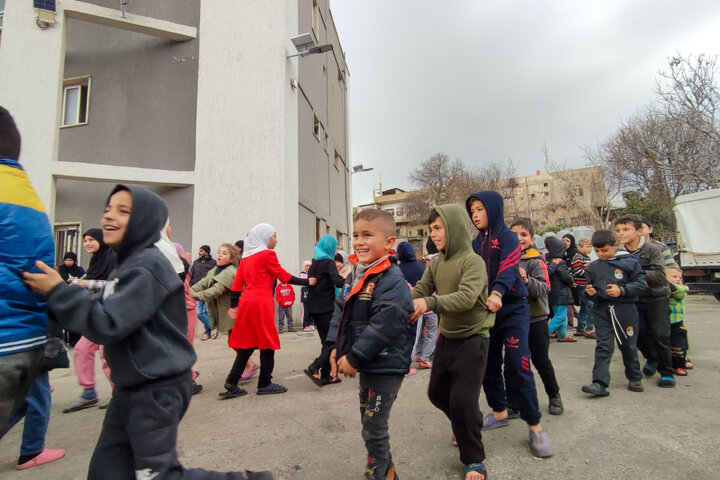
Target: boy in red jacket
[{"x": 285, "y": 296}]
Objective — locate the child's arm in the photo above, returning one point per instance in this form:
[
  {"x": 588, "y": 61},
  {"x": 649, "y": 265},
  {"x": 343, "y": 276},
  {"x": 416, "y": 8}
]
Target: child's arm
[
  {"x": 577, "y": 269},
  {"x": 563, "y": 273},
  {"x": 471, "y": 288},
  {"x": 281, "y": 274},
  {"x": 508, "y": 272},
  {"x": 335, "y": 277},
  {"x": 678, "y": 291},
  {"x": 538, "y": 280},
  {"x": 655, "y": 270},
  {"x": 637, "y": 284},
  {"x": 425, "y": 287},
  {"x": 216, "y": 291}
]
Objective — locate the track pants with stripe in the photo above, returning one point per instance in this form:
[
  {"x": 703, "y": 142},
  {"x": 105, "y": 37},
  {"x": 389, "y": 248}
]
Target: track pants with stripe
[{"x": 615, "y": 323}]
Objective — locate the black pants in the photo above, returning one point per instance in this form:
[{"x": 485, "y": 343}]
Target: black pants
[
  {"x": 322, "y": 362},
  {"x": 455, "y": 381},
  {"x": 267, "y": 365},
  {"x": 539, "y": 343},
  {"x": 679, "y": 344},
  {"x": 654, "y": 336},
  {"x": 615, "y": 323},
  {"x": 377, "y": 395},
  {"x": 139, "y": 434},
  {"x": 17, "y": 373}
]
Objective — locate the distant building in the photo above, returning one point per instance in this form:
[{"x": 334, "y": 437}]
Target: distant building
[{"x": 194, "y": 100}]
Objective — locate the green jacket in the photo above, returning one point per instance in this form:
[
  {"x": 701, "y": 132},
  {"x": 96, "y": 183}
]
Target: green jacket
[
  {"x": 459, "y": 278},
  {"x": 215, "y": 291}
]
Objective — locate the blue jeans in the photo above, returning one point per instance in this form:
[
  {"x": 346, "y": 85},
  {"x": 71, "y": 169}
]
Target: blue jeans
[
  {"x": 585, "y": 318},
  {"x": 425, "y": 343},
  {"x": 36, "y": 410},
  {"x": 558, "y": 322},
  {"x": 202, "y": 315}
]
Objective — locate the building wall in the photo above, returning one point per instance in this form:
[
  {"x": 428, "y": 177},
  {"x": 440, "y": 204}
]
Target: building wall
[{"x": 142, "y": 100}]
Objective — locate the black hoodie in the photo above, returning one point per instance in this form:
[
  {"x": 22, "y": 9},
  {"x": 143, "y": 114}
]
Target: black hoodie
[{"x": 141, "y": 319}]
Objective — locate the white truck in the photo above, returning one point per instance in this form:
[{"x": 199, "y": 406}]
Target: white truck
[{"x": 698, "y": 223}]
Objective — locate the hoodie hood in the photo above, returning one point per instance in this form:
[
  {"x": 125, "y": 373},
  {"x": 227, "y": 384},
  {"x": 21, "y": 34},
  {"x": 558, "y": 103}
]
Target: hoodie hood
[
  {"x": 555, "y": 247},
  {"x": 572, "y": 249},
  {"x": 457, "y": 237},
  {"x": 405, "y": 252},
  {"x": 493, "y": 203},
  {"x": 148, "y": 217}
]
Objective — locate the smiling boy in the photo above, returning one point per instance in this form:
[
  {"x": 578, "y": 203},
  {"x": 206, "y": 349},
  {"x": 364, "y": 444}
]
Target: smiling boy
[{"x": 374, "y": 335}]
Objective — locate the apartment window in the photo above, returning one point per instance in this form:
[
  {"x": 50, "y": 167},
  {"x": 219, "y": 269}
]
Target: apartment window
[
  {"x": 326, "y": 143},
  {"x": 420, "y": 232},
  {"x": 532, "y": 195},
  {"x": 316, "y": 20},
  {"x": 579, "y": 191},
  {"x": 545, "y": 194},
  {"x": 391, "y": 211},
  {"x": 68, "y": 238},
  {"x": 545, "y": 184},
  {"x": 341, "y": 78},
  {"x": 400, "y": 211},
  {"x": 318, "y": 229},
  {"x": 337, "y": 161},
  {"x": 340, "y": 239},
  {"x": 76, "y": 101},
  {"x": 574, "y": 221},
  {"x": 397, "y": 232},
  {"x": 316, "y": 127},
  {"x": 561, "y": 220}
]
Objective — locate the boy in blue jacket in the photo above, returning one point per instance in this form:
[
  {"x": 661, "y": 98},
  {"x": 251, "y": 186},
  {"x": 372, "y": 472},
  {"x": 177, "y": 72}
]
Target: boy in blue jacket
[
  {"x": 614, "y": 281},
  {"x": 141, "y": 321},
  {"x": 374, "y": 335},
  {"x": 500, "y": 249}
]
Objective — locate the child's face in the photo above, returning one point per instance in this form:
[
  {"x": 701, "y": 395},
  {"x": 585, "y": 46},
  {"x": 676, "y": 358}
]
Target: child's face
[
  {"x": 273, "y": 241},
  {"x": 370, "y": 241},
  {"x": 90, "y": 244},
  {"x": 69, "y": 262},
  {"x": 306, "y": 267},
  {"x": 646, "y": 231},
  {"x": 479, "y": 214},
  {"x": 626, "y": 232},
  {"x": 674, "y": 277},
  {"x": 566, "y": 241},
  {"x": 116, "y": 218},
  {"x": 526, "y": 240},
  {"x": 585, "y": 249},
  {"x": 339, "y": 265},
  {"x": 606, "y": 251},
  {"x": 223, "y": 257},
  {"x": 437, "y": 234}
]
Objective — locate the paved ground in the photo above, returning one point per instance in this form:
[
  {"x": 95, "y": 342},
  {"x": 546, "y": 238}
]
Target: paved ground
[{"x": 312, "y": 433}]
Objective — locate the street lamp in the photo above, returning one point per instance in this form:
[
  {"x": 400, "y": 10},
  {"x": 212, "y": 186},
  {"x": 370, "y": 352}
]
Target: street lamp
[
  {"x": 305, "y": 45},
  {"x": 359, "y": 169}
]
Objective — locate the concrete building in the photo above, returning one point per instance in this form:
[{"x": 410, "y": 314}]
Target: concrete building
[{"x": 195, "y": 100}]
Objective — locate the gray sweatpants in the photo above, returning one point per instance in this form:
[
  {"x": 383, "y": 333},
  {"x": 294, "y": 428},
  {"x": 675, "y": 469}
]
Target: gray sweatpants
[{"x": 615, "y": 323}]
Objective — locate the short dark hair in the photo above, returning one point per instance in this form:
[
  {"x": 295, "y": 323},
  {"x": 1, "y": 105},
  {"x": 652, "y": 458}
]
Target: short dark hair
[
  {"x": 9, "y": 136},
  {"x": 206, "y": 248},
  {"x": 602, "y": 238},
  {"x": 386, "y": 220},
  {"x": 434, "y": 215},
  {"x": 525, "y": 223},
  {"x": 633, "y": 219},
  {"x": 240, "y": 244}
]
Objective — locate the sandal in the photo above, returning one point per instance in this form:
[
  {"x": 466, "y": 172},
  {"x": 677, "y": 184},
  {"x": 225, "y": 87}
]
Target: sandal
[
  {"x": 232, "y": 391},
  {"x": 314, "y": 377},
  {"x": 681, "y": 372},
  {"x": 332, "y": 380},
  {"x": 248, "y": 374},
  {"x": 689, "y": 365},
  {"x": 214, "y": 334},
  {"x": 476, "y": 467},
  {"x": 271, "y": 389},
  {"x": 423, "y": 364}
]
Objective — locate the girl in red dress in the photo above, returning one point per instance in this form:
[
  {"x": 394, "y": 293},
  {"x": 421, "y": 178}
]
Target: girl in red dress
[{"x": 254, "y": 311}]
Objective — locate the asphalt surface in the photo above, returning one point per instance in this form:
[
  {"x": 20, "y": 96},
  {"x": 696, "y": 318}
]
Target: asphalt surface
[{"x": 313, "y": 433}]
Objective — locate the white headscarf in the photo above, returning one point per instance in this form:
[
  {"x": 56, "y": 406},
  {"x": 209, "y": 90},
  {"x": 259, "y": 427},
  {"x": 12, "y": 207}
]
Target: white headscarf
[
  {"x": 168, "y": 249},
  {"x": 257, "y": 239}
]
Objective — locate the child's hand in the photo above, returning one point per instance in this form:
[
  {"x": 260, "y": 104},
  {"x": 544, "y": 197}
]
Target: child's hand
[
  {"x": 613, "y": 291},
  {"x": 345, "y": 368},
  {"x": 232, "y": 313},
  {"x": 590, "y": 290},
  {"x": 312, "y": 281},
  {"x": 42, "y": 283},
  {"x": 333, "y": 363},
  {"x": 523, "y": 275},
  {"x": 421, "y": 307},
  {"x": 494, "y": 303},
  {"x": 557, "y": 261}
]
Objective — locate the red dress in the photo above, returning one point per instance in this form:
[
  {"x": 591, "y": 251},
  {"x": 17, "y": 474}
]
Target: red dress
[{"x": 255, "y": 323}]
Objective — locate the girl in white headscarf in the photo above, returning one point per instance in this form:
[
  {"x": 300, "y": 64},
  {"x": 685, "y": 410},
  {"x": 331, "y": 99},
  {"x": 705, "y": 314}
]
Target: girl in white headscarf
[{"x": 254, "y": 311}]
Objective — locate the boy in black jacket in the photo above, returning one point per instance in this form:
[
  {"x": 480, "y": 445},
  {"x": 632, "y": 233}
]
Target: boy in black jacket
[
  {"x": 141, "y": 321},
  {"x": 614, "y": 282},
  {"x": 560, "y": 295},
  {"x": 374, "y": 336}
]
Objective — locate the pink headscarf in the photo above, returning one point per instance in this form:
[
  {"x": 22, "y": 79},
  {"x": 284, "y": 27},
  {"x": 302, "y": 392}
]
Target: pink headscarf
[{"x": 303, "y": 273}]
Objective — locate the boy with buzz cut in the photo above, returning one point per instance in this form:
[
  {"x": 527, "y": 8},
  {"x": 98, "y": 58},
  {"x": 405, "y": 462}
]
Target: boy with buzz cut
[
  {"x": 374, "y": 336},
  {"x": 459, "y": 278},
  {"x": 141, "y": 320},
  {"x": 614, "y": 281},
  {"x": 653, "y": 304}
]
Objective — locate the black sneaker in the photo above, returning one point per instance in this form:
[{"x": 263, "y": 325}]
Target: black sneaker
[
  {"x": 196, "y": 388},
  {"x": 513, "y": 413},
  {"x": 635, "y": 386},
  {"x": 556, "y": 406},
  {"x": 597, "y": 389}
]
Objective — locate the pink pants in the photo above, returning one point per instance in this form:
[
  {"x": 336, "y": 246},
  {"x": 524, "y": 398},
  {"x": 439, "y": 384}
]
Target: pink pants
[
  {"x": 84, "y": 362},
  {"x": 192, "y": 323}
]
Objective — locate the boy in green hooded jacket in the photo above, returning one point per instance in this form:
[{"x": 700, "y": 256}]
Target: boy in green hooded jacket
[{"x": 459, "y": 278}]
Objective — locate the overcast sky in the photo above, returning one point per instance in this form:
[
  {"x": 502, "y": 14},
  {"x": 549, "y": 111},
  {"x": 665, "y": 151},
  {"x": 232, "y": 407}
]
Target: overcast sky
[{"x": 485, "y": 81}]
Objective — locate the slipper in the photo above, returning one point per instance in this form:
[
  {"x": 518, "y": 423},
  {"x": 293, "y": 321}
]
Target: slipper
[
  {"x": 490, "y": 422},
  {"x": 331, "y": 381},
  {"x": 204, "y": 337},
  {"x": 314, "y": 377},
  {"x": 424, "y": 364},
  {"x": 80, "y": 404},
  {"x": 689, "y": 365},
  {"x": 476, "y": 467},
  {"x": 681, "y": 372},
  {"x": 248, "y": 374},
  {"x": 214, "y": 334},
  {"x": 567, "y": 340},
  {"x": 271, "y": 389},
  {"x": 46, "y": 456},
  {"x": 666, "y": 382}
]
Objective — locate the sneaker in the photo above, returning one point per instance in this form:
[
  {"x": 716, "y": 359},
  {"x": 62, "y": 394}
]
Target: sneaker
[
  {"x": 105, "y": 405},
  {"x": 513, "y": 413},
  {"x": 540, "y": 444},
  {"x": 597, "y": 389},
  {"x": 666, "y": 382},
  {"x": 271, "y": 389},
  {"x": 46, "y": 456},
  {"x": 81, "y": 403},
  {"x": 490, "y": 422},
  {"x": 635, "y": 386},
  {"x": 648, "y": 370},
  {"x": 232, "y": 391},
  {"x": 556, "y": 406},
  {"x": 196, "y": 388},
  {"x": 204, "y": 337}
]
